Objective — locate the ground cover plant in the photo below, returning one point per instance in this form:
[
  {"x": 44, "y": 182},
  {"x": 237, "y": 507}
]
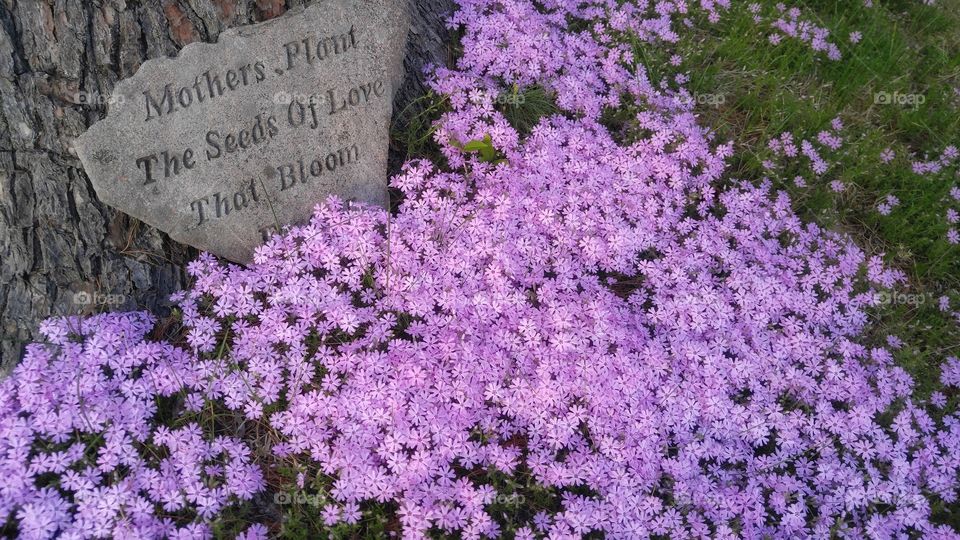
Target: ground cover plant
[{"x": 661, "y": 301}]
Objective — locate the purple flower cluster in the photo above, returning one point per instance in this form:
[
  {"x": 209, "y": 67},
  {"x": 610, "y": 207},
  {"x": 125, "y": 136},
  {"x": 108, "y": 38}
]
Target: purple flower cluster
[
  {"x": 887, "y": 205},
  {"x": 792, "y": 24},
  {"x": 953, "y": 217},
  {"x": 83, "y": 453},
  {"x": 786, "y": 148},
  {"x": 949, "y": 158},
  {"x": 589, "y": 316}
]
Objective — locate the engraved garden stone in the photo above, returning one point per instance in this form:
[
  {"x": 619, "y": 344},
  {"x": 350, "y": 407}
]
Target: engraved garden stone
[{"x": 224, "y": 143}]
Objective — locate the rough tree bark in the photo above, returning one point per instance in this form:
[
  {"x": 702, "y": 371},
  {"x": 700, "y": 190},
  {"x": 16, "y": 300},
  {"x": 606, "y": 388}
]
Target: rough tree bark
[{"x": 57, "y": 59}]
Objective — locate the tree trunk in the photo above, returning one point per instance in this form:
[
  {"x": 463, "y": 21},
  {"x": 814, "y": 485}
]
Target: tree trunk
[{"x": 57, "y": 59}]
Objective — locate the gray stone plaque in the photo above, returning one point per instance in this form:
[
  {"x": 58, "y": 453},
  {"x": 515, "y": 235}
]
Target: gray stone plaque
[{"x": 228, "y": 141}]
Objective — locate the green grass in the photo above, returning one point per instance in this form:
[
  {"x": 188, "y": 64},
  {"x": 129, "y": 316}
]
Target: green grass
[{"x": 907, "y": 48}]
